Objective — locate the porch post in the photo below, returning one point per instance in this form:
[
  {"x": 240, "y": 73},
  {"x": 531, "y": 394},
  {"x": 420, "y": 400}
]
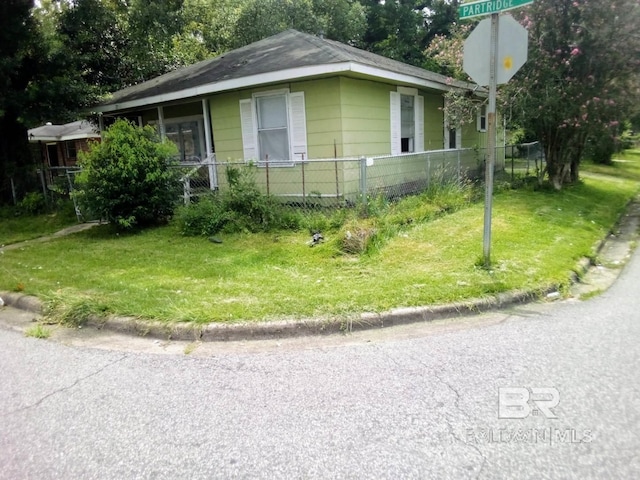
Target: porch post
[
  {"x": 100, "y": 124},
  {"x": 163, "y": 132},
  {"x": 206, "y": 114}
]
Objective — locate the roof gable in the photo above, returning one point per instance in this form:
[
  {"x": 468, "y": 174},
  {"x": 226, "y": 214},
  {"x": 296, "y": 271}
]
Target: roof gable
[{"x": 286, "y": 56}]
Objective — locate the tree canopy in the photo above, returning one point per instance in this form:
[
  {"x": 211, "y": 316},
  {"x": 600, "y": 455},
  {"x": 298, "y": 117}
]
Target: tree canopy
[
  {"x": 581, "y": 78},
  {"x": 58, "y": 57},
  {"x": 580, "y": 82}
]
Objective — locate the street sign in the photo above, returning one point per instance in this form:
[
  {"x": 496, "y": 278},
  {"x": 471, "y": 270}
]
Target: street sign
[
  {"x": 511, "y": 50},
  {"x": 493, "y": 53},
  {"x": 486, "y": 7}
]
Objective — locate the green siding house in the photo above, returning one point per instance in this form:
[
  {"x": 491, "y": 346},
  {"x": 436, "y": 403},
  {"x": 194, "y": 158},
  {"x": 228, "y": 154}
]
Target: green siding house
[{"x": 292, "y": 98}]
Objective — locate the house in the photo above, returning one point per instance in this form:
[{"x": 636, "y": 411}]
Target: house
[
  {"x": 292, "y": 98},
  {"x": 60, "y": 144}
]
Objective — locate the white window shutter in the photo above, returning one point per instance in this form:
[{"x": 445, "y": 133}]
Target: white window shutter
[
  {"x": 394, "y": 106},
  {"x": 298, "y": 126},
  {"x": 419, "y": 120},
  {"x": 248, "y": 130},
  {"x": 459, "y": 137}
]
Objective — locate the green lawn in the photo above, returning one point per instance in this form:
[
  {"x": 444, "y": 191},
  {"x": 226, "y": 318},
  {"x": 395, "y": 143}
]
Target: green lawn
[
  {"x": 538, "y": 238},
  {"x": 14, "y": 228}
]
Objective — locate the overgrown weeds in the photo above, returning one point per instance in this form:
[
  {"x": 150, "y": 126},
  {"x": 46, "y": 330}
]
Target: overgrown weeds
[
  {"x": 37, "y": 331},
  {"x": 242, "y": 207}
]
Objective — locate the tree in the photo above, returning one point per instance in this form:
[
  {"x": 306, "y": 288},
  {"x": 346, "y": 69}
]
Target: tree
[
  {"x": 580, "y": 81},
  {"x": 396, "y": 29},
  {"x": 581, "y": 78},
  {"x": 341, "y": 20},
  {"x": 208, "y": 27},
  {"x": 151, "y": 27},
  {"x": 127, "y": 178},
  {"x": 21, "y": 61},
  {"x": 94, "y": 44},
  {"x": 262, "y": 18}
]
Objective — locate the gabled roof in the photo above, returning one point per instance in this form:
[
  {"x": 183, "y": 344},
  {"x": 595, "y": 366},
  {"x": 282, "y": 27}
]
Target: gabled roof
[
  {"x": 287, "y": 56},
  {"x": 59, "y": 133}
]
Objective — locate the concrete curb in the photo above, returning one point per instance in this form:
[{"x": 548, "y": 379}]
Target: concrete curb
[
  {"x": 364, "y": 321},
  {"x": 282, "y": 328}
]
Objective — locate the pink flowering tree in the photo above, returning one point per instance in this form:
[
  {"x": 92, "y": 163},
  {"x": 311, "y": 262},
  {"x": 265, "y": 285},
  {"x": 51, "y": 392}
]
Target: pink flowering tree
[
  {"x": 580, "y": 80},
  {"x": 581, "y": 77}
]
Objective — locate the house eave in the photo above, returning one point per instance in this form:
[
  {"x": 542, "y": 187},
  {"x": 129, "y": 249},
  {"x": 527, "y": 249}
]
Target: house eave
[
  {"x": 280, "y": 76},
  {"x": 61, "y": 138}
]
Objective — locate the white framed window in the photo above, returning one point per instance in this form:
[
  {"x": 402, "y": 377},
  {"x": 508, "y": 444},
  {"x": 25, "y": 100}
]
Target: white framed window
[
  {"x": 274, "y": 127},
  {"x": 452, "y": 137},
  {"x": 482, "y": 118},
  {"x": 407, "y": 121}
]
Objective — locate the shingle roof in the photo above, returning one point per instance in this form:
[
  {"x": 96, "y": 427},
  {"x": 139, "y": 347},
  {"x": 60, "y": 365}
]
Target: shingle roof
[
  {"x": 288, "y": 50},
  {"x": 68, "y": 131}
]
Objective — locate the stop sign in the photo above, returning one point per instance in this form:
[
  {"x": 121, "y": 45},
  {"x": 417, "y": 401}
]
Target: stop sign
[{"x": 511, "y": 50}]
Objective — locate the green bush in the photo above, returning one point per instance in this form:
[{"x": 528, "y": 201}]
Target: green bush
[
  {"x": 127, "y": 179},
  {"x": 204, "y": 216},
  {"x": 240, "y": 207},
  {"x": 33, "y": 203}
]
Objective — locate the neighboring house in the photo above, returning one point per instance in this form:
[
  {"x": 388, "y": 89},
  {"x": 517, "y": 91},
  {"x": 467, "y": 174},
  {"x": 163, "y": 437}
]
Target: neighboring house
[
  {"x": 295, "y": 97},
  {"x": 60, "y": 144}
]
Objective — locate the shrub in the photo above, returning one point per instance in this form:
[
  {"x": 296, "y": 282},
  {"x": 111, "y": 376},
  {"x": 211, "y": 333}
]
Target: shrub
[
  {"x": 33, "y": 203},
  {"x": 127, "y": 179},
  {"x": 204, "y": 216},
  {"x": 241, "y": 207}
]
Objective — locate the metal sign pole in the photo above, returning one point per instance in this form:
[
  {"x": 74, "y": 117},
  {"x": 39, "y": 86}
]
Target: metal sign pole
[{"x": 491, "y": 140}]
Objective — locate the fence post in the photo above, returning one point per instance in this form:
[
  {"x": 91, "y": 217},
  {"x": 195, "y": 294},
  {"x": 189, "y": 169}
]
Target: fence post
[
  {"x": 266, "y": 164},
  {"x": 186, "y": 190},
  {"x": 13, "y": 191},
  {"x": 459, "y": 172},
  {"x": 213, "y": 176},
  {"x": 428, "y": 170},
  {"x": 335, "y": 163},
  {"x": 304, "y": 192},
  {"x": 76, "y": 207},
  {"x": 363, "y": 179},
  {"x": 44, "y": 186}
]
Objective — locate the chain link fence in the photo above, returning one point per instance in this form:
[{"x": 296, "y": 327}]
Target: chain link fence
[
  {"x": 525, "y": 159},
  {"x": 345, "y": 181},
  {"x": 338, "y": 182}
]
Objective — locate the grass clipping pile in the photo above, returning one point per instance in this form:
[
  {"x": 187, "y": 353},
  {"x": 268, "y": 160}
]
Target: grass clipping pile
[{"x": 356, "y": 238}]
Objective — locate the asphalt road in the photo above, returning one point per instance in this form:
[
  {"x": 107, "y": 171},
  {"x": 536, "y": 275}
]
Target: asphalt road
[{"x": 413, "y": 402}]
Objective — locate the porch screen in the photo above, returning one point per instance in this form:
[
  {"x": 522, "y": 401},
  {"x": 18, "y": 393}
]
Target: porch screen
[{"x": 186, "y": 136}]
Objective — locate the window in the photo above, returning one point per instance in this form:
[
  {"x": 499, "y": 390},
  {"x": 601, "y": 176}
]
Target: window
[
  {"x": 70, "y": 146},
  {"x": 482, "y": 118},
  {"x": 452, "y": 137},
  {"x": 407, "y": 121},
  {"x": 186, "y": 136},
  {"x": 274, "y": 127},
  {"x": 187, "y": 133}
]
